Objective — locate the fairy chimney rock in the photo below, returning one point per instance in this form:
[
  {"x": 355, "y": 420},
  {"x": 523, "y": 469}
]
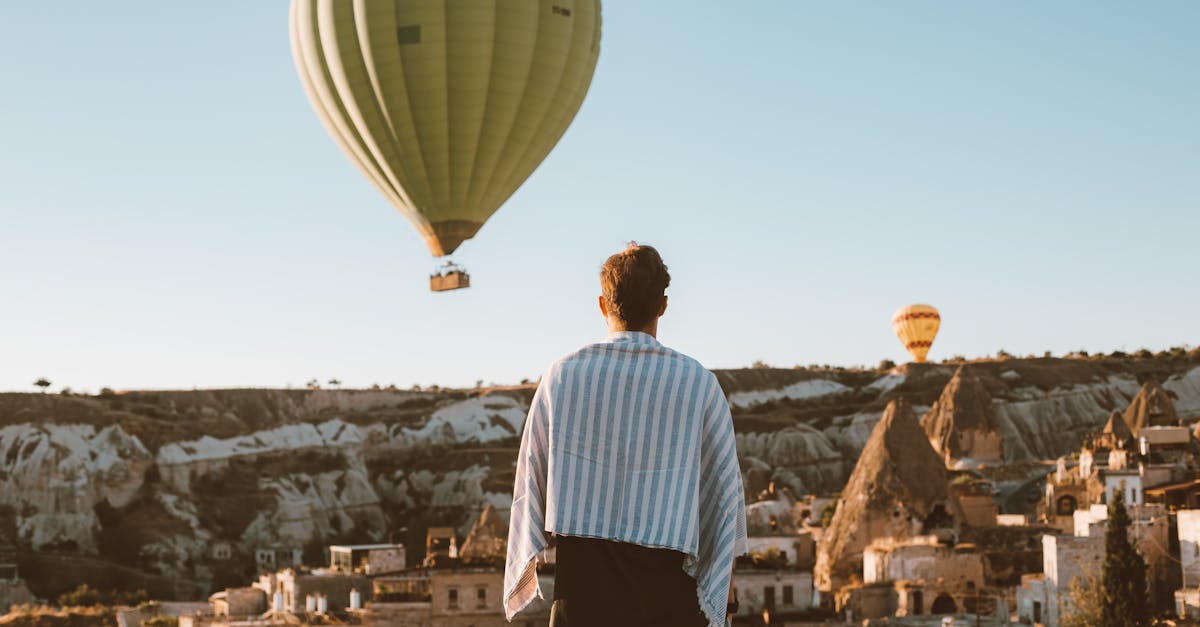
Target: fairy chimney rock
[
  {"x": 487, "y": 540},
  {"x": 899, "y": 489},
  {"x": 1152, "y": 407},
  {"x": 1116, "y": 428},
  {"x": 962, "y": 425}
]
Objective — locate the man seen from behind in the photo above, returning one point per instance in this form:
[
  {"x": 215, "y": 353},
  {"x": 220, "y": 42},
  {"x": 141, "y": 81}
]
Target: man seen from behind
[{"x": 628, "y": 460}]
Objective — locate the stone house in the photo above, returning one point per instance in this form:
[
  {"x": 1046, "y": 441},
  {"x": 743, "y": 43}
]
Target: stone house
[
  {"x": 1151, "y": 531},
  {"x": 1066, "y": 557},
  {"x": 914, "y": 603},
  {"x": 1032, "y": 599},
  {"x": 367, "y": 559},
  {"x": 775, "y": 524},
  {"x": 451, "y": 597},
  {"x": 798, "y": 550},
  {"x": 462, "y": 597},
  {"x": 954, "y": 568},
  {"x": 1067, "y": 489},
  {"x": 776, "y": 591},
  {"x": 299, "y": 589},
  {"x": 1128, "y": 481},
  {"x": 274, "y": 558},
  {"x": 1188, "y": 521},
  {"x": 1046, "y": 596},
  {"x": 920, "y": 577},
  {"x": 441, "y": 543},
  {"x": 249, "y": 601},
  {"x": 1187, "y": 598}
]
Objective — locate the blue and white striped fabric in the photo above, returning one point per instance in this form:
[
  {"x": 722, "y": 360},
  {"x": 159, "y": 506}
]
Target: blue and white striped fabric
[{"x": 631, "y": 441}]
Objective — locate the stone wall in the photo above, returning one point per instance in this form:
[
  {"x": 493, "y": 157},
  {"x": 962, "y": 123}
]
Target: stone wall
[
  {"x": 1189, "y": 546},
  {"x": 781, "y": 590},
  {"x": 1064, "y": 559}
]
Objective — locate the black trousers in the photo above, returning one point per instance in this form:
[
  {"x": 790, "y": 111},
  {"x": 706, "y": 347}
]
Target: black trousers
[{"x": 603, "y": 583}]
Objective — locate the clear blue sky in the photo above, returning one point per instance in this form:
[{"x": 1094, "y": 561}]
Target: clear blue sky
[{"x": 172, "y": 214}]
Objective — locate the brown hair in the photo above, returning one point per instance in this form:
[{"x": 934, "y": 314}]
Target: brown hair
[{"x": 633, "y": 283}]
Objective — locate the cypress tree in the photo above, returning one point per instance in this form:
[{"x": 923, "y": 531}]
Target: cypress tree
[{"x": 1123, "y": 600}]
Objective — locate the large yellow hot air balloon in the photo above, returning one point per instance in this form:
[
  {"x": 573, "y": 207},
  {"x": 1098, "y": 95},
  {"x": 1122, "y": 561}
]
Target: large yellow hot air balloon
[
  {"x": 447, "y": 106},
  {"x": 916, "y": 326}
]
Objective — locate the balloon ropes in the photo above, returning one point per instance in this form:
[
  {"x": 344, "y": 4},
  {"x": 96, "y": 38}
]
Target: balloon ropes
[
  {"x": 446, "y": 106},
  {"x": 916, "y": 326}
]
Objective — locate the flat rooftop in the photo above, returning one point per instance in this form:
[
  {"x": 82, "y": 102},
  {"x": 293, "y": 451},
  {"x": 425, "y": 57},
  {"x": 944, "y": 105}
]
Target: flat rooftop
[{"x": 364, "y": 547}]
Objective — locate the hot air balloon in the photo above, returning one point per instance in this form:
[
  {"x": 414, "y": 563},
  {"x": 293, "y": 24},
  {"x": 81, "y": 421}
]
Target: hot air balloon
[
  {"x": 916, "y": 326},
  {"x": 446, "y": 106}
]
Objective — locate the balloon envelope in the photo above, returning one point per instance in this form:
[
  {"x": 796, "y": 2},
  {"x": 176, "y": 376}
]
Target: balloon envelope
[
  {"x": 916, "y": 326},
  {"x": 447, "y": 106}
]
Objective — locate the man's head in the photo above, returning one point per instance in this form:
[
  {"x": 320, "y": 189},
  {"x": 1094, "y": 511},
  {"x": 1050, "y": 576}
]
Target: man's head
[{"x": 633, "y": 283}]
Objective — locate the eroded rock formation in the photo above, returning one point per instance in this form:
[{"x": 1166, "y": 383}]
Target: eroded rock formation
[
  {"x": 962, "y": 425},
  {"x": 487, "y": 541},
  {"x": 1152, "y": 407},
  {"x": 899, "y": 489},
  {"x": 154, "y": 480}
]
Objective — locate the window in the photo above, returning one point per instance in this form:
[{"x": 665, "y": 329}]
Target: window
[
  {"x": 769, "y": 598},
  {"x": 1037, "y": 612},
  {"x": 787, "y": 595},
  {"x": 452, "y": 597},
  {"x": 481, "y": 597},
  {"x": 918, "y": 603}
]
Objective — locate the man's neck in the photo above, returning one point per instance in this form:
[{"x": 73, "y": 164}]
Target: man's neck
[{"x": 651, "y": 330}]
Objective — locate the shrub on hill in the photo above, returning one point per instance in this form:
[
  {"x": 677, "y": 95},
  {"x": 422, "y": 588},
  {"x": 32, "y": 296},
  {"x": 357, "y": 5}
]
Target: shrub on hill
[
  {"x": 83, "y": 596},
  {"x": 28, "y": 616}
]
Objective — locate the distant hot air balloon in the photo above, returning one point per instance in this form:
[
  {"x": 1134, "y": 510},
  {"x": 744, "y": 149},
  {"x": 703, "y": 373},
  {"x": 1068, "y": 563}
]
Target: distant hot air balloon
[
  {"x": 916, "y": 326},
  {"x": 447, "y": 106}
]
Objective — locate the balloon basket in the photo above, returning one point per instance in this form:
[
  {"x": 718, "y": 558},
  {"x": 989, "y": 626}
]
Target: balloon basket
[{"x": 449, "y": 277}]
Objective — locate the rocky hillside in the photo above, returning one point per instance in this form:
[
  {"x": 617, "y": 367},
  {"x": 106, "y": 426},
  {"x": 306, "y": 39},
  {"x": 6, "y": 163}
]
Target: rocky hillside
[
  {"x": 807, "y": 427},
  {"x": 153, "y": 480},
  {"x": 149, "y": 482}
]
